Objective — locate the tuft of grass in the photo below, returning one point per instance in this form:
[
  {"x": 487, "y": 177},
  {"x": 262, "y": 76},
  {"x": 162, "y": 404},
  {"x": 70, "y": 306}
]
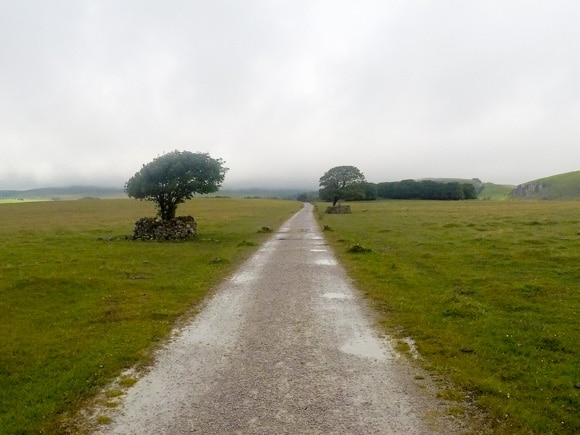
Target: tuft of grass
[
  {"x": 402, "y": 346},
  {"x": 218, "y": 260},
  {"x": 127, "y": 381},
  {"x": 487, "y": 290},
  {"x": 358, "y": 249},
  {"x": 451, "y": 395},
  {"x": 111, "y": 394},
  {"x": 104, "y": 419},
  {"x": 79, "y": 303},
  {"x": 456, "y": 411}
]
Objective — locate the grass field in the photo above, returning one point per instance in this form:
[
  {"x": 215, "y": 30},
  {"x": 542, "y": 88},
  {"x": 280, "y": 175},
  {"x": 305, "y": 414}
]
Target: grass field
[
  {"x": 490, "y": 293},
  {"x": 78, "y": 303},
  {"x": 496, "y": 192}
]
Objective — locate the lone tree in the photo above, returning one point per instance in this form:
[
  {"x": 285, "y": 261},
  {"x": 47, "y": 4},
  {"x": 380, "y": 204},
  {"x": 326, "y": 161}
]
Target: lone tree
[
  {"x": 342, "y": 182},
  {"x": 175, "y": 177}
]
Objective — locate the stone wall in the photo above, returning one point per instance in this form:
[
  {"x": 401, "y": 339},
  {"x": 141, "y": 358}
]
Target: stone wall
[
  {"x": 338, "y": 209},
  {"x": 180, "y": 228}
]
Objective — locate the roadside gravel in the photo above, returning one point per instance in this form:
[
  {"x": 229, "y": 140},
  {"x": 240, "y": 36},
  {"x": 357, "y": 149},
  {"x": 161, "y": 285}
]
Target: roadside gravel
[{"x": 284, "y": 346}]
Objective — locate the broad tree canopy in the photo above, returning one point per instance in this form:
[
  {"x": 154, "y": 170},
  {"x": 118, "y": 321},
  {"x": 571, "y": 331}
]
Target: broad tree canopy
[
  {"x": 342, "y": 182},
  {"x": 175, "y": 177}
]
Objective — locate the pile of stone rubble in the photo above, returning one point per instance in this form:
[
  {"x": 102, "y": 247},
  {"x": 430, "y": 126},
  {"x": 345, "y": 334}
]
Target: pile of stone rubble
[{"x": 179, "y": 228}]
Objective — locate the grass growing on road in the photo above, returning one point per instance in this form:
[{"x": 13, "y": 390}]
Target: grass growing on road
[
  {"x": 78, "y": 304},
  {"x": 489, "y": 291}
]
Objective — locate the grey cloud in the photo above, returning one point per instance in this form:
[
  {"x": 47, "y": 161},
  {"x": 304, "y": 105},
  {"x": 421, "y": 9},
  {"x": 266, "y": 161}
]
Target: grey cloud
[{"x": 285, "y": 90}]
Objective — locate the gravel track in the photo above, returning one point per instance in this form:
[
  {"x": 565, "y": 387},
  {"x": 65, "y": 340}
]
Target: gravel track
[{"x": 285, "y": 346}]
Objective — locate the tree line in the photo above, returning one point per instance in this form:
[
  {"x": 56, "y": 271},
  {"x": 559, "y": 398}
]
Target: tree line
[
  {"x": 426, "y": 189},
  {"x": 349, "y": 184}
]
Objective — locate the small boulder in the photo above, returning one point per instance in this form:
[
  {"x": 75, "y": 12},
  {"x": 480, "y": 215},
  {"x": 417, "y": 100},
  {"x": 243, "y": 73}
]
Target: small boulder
[{"x": 338, "y": 209}]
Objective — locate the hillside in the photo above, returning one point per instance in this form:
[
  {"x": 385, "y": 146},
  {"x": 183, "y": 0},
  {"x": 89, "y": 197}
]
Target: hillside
[
  {"x": 495, "y": 191},
  {"x": 557, "y": 187}
]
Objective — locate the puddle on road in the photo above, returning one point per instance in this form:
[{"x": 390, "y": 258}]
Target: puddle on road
[
  {"x": 335, "y": 295},
  {"x": 243, "y": 277},
  {"x": 318, "y": 250},
  {"x": 325, "y": 262},
  {"x": 366, "y": 347},
  {"x": 312, "y": 235}
]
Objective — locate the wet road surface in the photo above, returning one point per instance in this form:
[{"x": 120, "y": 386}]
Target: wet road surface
[{"x": 284, "y": 346}]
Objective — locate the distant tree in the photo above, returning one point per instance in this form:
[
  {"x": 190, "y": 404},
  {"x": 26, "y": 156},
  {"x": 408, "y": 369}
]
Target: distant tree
[
  {"x": 175, "y": 177},
  {"x": 454, "y": 191},
  {"x": 371, "y": 191},
  {"x": 408, "y": 189},
  {"x": 342, "y": 182},
  {"x": 386, "y": 189},
  {"x": 430, "y": 189},
  {"x": 469, "y": 191},
  {"x": 307, "y": 196}
]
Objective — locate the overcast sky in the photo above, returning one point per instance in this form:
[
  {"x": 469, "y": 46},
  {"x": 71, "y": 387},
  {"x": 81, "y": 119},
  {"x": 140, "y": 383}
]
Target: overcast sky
[{"x": 284, "y": 90}]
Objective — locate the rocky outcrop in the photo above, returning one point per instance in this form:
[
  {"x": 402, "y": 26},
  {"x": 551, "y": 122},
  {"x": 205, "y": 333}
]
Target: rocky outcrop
[
  {"x": 180, "y": 228},
  {"x": 528, "y": 189}
]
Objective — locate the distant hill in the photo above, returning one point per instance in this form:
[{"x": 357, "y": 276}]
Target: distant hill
[
  {"x": 563, "y": 187},
  {"x": 62, "y": 193},
  {"x": 260, "y": 193},
  {"x": 81, "y": 192}
]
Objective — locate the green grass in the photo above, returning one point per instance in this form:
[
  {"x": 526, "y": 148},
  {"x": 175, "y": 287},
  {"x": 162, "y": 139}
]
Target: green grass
[
  {"x": 563, "y": 186},
  {"x": 489, "y": 291},
  {"x": 493, "y": 191},
  {"x": 78, "y": 304}
]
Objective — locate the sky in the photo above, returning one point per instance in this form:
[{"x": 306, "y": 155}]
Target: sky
[{"x": 284, "y": 90}]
